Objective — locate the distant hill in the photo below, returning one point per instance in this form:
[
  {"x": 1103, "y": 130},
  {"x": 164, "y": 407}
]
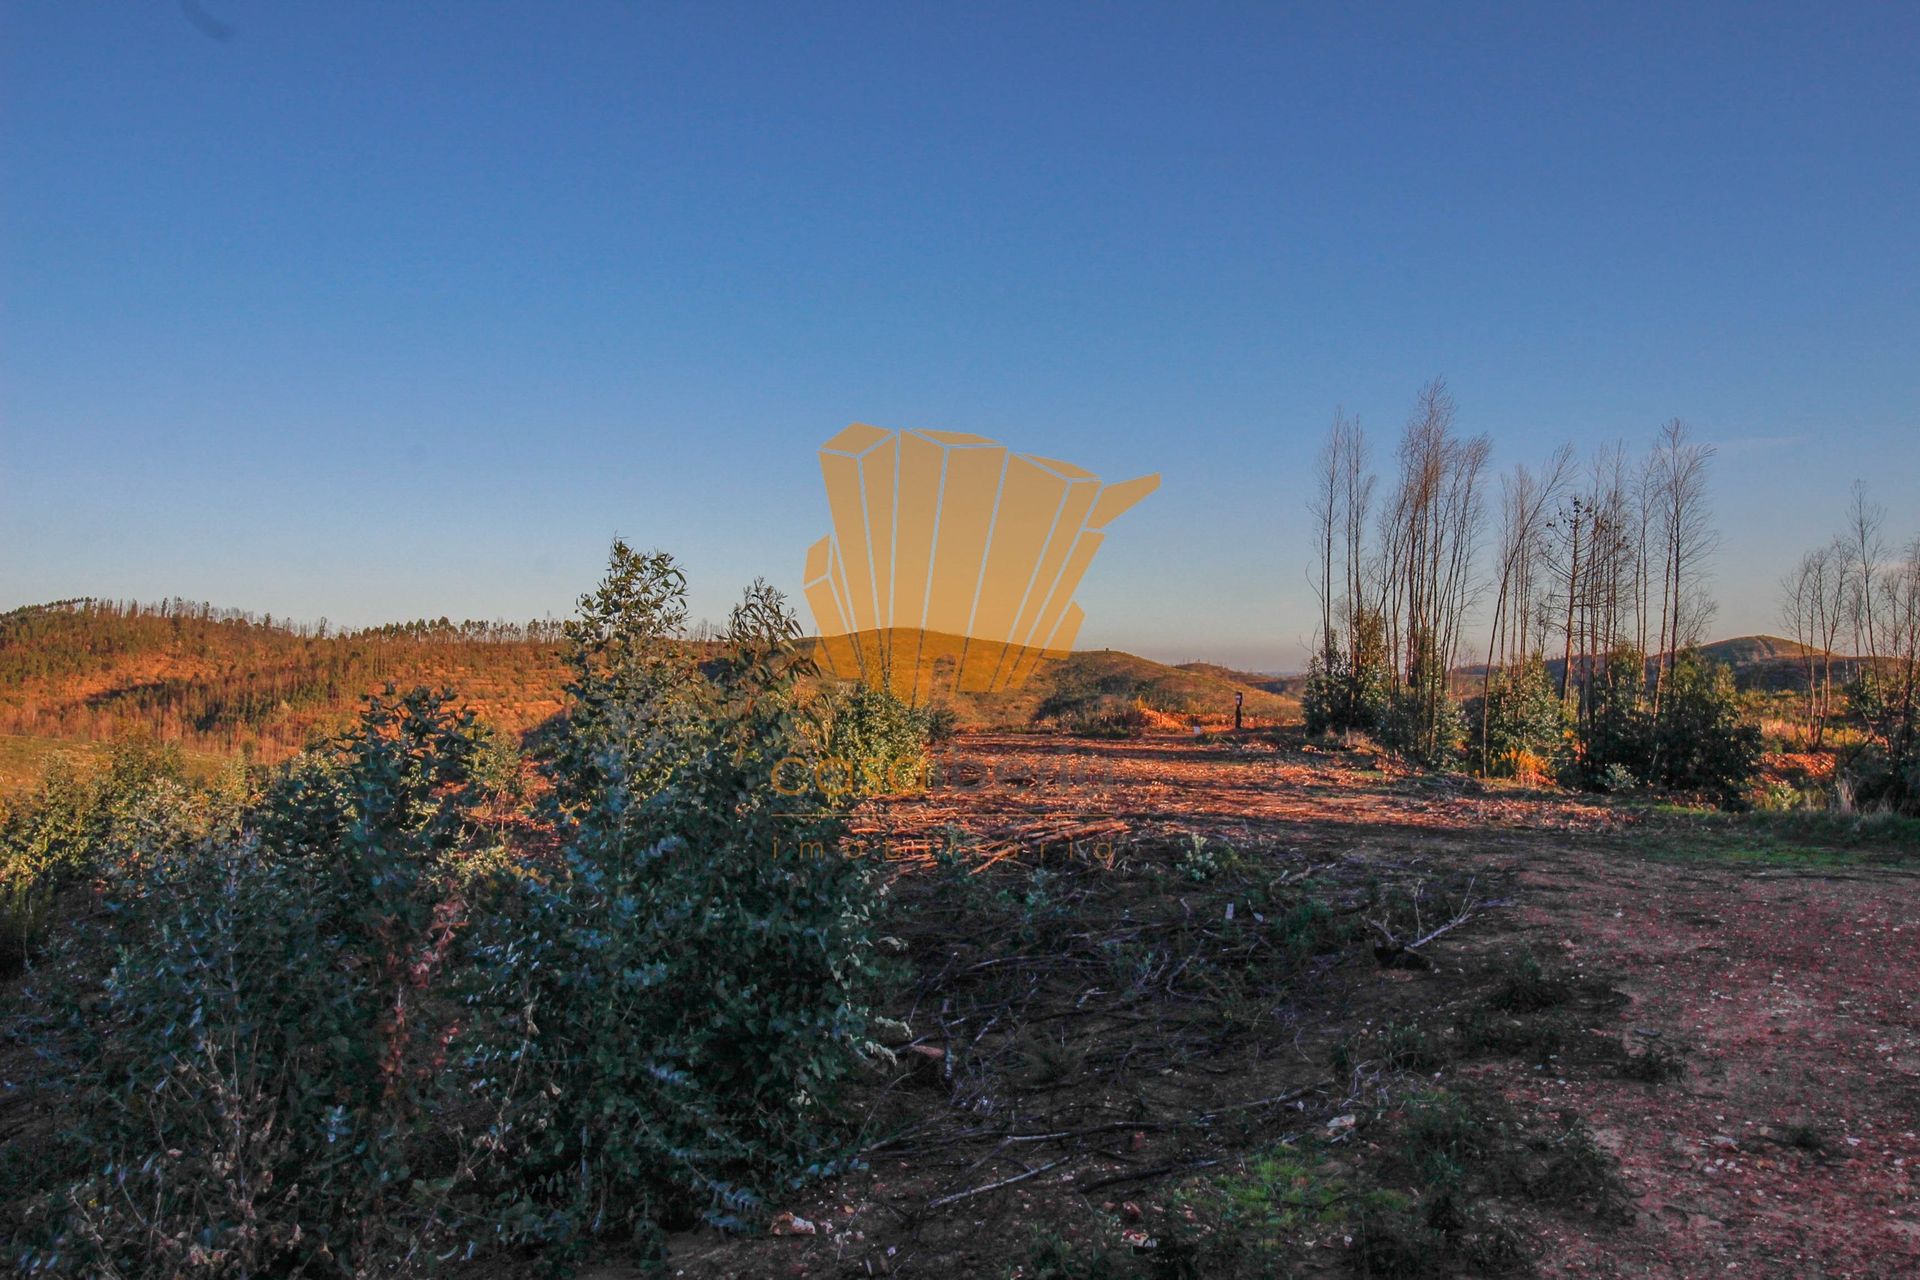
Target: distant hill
[
  {"x": 1744, "y": 651},
  {"x": 1772, "y": 664},
  {"x": 223, "y": 683},
  {"x": 1762, "y": 663},
  {"x": 1194, "y": 690},
  {"x": 1252, "y": 679}
]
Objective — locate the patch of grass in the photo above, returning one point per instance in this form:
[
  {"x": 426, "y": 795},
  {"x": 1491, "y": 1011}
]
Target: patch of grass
[
  {"x": 1302, "y": 1192},
  {"x": 1051, "y": 1256},
  {"x": 1455, "y": 1152},
  {"x": 1527, "y": 986},
  {"x": 1795, "y": 838},
  {"x": 1460, "y": 1143},
  {"x": 1295, "y": 1188},
  {"x": 1408, "y": 1046},
  {"x": 1657, "y": 1064},
  {"x": 1441, "y": 1137},
  {"x": 1481, "y": 1031}
]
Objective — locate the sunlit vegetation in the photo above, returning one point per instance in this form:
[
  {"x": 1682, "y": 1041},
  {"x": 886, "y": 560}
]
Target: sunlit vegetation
[
  {"x": 224, "y": 681},
  {"x": 1595, "y": 596},
  {"x": 221, "y": 683},
  {"x": 401, "y": 1000}
]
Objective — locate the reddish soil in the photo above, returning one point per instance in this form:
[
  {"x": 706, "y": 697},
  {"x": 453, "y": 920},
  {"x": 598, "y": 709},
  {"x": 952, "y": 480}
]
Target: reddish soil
[
  {"x": 1786, "y": 1149},
  {"x": 1790, "y": 1149}
]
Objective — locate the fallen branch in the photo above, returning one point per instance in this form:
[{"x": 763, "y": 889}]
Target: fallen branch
[
  {"x": 971, "y": 1192},
  {"x": 1158, "y": 1171}
]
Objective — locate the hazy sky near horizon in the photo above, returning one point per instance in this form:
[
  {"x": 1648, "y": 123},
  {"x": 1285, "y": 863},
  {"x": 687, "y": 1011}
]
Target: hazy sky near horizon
[{"x": 383, "y": 310}]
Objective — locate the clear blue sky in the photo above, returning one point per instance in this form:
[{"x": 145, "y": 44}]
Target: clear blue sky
[{"x": 375, "y": 310}]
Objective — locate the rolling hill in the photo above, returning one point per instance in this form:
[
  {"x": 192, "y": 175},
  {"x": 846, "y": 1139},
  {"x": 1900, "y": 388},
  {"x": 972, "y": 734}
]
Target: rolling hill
[
  {"x": 222, "y": 683},
  {"x": 1767, "y": 664}
]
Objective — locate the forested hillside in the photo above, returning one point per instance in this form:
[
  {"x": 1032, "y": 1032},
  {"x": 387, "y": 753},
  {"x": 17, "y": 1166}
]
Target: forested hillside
[
  {"x": 220, "y": 682},
  {"x": 226, "y": 681}
]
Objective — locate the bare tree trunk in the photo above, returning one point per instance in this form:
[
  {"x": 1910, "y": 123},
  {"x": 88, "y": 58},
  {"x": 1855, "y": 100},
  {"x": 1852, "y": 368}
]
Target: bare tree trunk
[
  {"x": 1864, "y": 543},
  {"x": 1326, "y": 512},
  {"x": 1573, "y": 593}
]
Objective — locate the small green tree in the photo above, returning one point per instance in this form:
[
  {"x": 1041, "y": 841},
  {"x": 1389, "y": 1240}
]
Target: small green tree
[
  {"x": 684, "y": 994},
  {"x": 1700, "y": 742},
  {"x": 1526, "y": 723},
  {"x": 257, "y": 1069},
  {"x": 634, "y": 691},
  {"x": 1615, "y": 725},
  {"x": 1421, "y": 719},
  {"x": 1348, "y": 690},
  {"x": 1697, "y": 742},
  {"x": 872, "y": 743},
  {"x": 83, "y": 827}
]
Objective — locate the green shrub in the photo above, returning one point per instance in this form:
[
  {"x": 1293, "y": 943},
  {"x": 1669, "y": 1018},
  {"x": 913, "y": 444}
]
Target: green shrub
[
  {"x": 1882, "y": 778},
  {"x": 80, "y": 827},
  {"x": 255, "y": 1073},
  {"x": 291, "y": 1045},
  {"x": 635, "y": 693},
  {"x": 682, "y": 998},
  {"x": 1339, "y": 699},
  {"x": 1104, "y": 706},
  {"x": 1346, "y": 690},
  {"x": 872, "y": 743},
  {"x": 1425, "y": 725},
  {"x": 1615, "y": 725},
  {"x": 1697, "y": 741},
  {"x": 1700, "y": 742},
  {"x": 1524, "y": 723}
]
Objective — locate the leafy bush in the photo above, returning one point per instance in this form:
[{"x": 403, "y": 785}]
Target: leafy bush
[
  {"x": 1424, "y": 725},
  {"x": 1615, "y": 725},
  {"x": 1104, "y": 706},
  {"x": 254, "y": 1076},
  {"x": 1883, "y": 772},
  {"x": 79, "y": 826},
  {"x": 291, "y": 1045},
  {"x": 872, "y": 743},
  {"x": 1883, "y": 778},
  {"x": 635, "y": 694},
  {"x": 1347, "y": 690},
  {"x": 1700, "y": 742},
  {"x": 1524, "y": 723},
  {"x": 680, "y": 1001},
  {"x": 1340, "y": 696},
  {"x": 942, "y": 723}
]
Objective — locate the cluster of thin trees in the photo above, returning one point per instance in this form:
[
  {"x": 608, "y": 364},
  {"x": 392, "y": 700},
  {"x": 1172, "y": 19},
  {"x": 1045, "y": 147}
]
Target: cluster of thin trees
[
  {"x": 1589, "y": 557},
  {"x": 1853, "y": 606},
  {"x": 442, "y": 629}
]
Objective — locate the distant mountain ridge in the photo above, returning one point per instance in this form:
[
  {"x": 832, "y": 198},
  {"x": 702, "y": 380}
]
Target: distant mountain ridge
[{"x": 1759, "y": 662}]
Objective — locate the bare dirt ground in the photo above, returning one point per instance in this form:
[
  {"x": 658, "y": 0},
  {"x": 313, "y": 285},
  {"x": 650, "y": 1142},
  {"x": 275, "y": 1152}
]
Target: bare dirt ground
[{"x": 1785, "y": 986}]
